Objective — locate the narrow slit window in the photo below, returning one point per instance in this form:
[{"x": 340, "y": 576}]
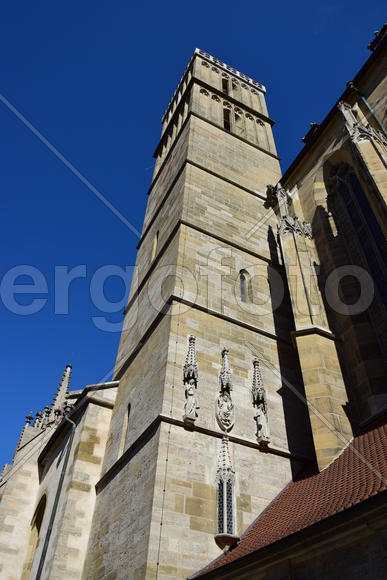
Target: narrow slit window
[
  {"x": 154, "y": 246},
  {"x": 124, "y": 431},
  {"x": 225, "y": 85},
  {"x": 226, "y": 119},
  {"x": 243, "y": 284}
]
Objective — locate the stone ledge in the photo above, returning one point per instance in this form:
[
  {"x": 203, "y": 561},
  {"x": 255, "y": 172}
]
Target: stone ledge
[{"x": 152, "y": 428}]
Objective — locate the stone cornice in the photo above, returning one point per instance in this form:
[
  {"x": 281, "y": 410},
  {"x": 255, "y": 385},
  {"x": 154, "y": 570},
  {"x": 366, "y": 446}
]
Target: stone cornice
[
  {"x": 197, "y": 115},
  {"x": 190, "y": 225},
  {"x": 308, "y": 330},
  {"x": 166, "y": 308},
  {"x": 187, "y": 161},
  {"x": 152, "y": 428},
  {"x": 237, "y": 102}
]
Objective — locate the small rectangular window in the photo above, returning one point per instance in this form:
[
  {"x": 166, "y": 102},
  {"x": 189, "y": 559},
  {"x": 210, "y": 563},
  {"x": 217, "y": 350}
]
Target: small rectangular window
[{"x": 225, "y": 85}]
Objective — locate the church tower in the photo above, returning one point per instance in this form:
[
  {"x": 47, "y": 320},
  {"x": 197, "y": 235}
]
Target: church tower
[{"x": 209, "y": 422}]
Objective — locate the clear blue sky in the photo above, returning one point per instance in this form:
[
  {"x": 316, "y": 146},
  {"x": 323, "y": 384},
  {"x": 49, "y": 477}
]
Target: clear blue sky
[{"x": 94, "y": 78}]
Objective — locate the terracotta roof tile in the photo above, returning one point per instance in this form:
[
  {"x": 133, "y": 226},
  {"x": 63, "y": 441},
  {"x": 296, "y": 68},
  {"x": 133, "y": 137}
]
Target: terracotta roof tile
[{"x": 359, "y": 473}]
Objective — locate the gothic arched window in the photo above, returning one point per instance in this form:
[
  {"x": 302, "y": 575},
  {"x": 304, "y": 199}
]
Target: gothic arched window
[
  {"x": 225, "y": 492},
  {"x": 226, "y": 119},
  {"x": 245, "y": 286},
  {"x": 225, "y": 84},
  {"x": 344, "y": 186},
  {"x": 226, "y": 504}
]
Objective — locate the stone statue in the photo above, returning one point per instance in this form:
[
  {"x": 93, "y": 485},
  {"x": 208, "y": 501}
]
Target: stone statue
[
  {"x": 190, "y": 382},
  {"x": 225, "y": 411},
  {"x": 224, "y": 403},
  {"x": 260, "y": 405}
]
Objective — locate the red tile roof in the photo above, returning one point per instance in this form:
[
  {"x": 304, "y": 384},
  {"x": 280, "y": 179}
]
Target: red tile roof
[{"x": 359, "y": 473}]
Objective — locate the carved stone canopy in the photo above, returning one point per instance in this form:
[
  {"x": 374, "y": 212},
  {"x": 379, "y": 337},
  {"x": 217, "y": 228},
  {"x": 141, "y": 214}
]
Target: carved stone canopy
[
  {"x": 258, "y": 392},
  {"x": 224, "y": 402},
  {"x": 190, "y": 383},
  {"x": 224, "y": 471},
  {"x": 225, "y": 376},
  {"x": 257, "y": 388},
  {"x": 190, "y": 370}
]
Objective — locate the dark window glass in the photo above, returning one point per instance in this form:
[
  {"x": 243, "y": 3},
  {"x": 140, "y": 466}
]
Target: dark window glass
[
  {"x": 226, "y": 119},
  {"x": 230, "y": 526},
  {"x": 220, "y": 508},
  {"x": 242, "y": 281}
]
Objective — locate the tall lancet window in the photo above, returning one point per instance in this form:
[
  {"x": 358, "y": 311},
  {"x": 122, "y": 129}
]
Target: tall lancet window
[
  {"x": 225, "y": 478},
  {"x": 245, "y": 286}
]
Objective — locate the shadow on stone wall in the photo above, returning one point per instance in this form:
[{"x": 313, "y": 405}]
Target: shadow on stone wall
[{"x": 297, "y": 421}]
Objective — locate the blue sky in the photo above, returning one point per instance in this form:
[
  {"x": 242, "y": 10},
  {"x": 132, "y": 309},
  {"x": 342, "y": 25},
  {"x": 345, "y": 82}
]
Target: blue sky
[{"x": 94, "y": 78}]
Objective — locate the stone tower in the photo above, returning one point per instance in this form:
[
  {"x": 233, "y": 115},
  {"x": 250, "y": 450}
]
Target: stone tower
[{"x": 208, "y": 424}]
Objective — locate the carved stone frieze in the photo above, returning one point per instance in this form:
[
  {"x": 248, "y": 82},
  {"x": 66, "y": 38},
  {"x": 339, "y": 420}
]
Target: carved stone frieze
[{"x": 289, "y": 224}]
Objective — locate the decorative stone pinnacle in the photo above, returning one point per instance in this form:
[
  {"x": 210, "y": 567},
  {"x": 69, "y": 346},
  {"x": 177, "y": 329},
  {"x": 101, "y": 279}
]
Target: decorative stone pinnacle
[
  {"x": 38, "y": 420},
  {"x": 225, "y": 376},
  {"x": 224, "y": 465},
  {"x": 224, "y": 403},
  {"x": 190, "y": 383},
  {"x": 260, "y": 405},
  {"x": 257, "y": 379},
  {"x": 29, "y": 418},
  {"x": 278, "y": 198},
  {"x": 62, "y": 393},
  {"x": 190, "y": 370}
]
